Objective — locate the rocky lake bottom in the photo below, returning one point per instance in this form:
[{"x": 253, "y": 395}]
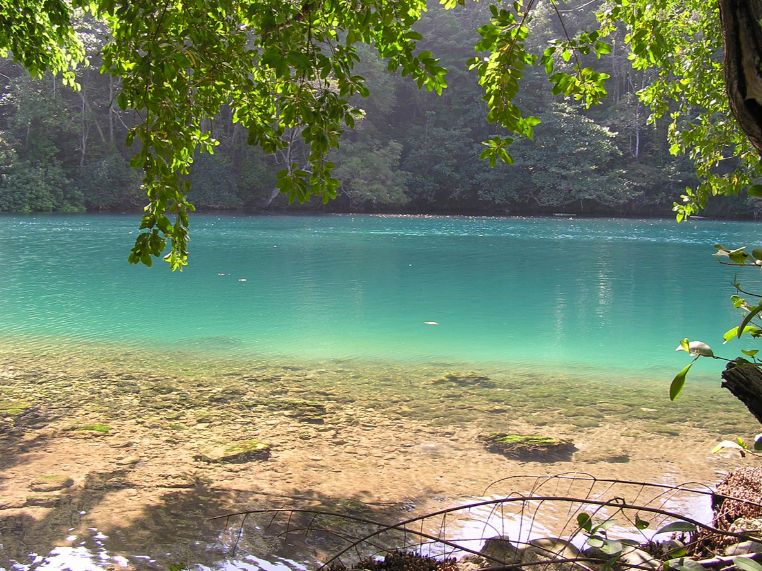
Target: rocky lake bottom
[{"x": 119, "y": 456}]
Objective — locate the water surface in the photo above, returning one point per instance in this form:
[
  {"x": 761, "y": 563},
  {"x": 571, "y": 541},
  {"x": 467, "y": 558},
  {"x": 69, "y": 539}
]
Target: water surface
[
  {"x": 371, "y": 353},
  {"x": 567, "y": 292}
]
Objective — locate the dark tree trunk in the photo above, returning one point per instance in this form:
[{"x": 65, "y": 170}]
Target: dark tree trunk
[
  {"x": 742, "y": 36},
  {"x": 744, "y": 380}
]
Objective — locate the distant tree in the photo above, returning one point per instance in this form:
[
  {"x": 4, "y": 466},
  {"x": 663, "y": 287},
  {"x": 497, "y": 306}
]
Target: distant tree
[{"x": 286, "y": 71}]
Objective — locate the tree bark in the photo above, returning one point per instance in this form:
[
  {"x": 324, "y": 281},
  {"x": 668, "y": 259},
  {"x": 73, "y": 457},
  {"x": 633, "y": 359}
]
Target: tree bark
[
  {"x": 742, "y": 36},
  {"x": 744, "y": 380}
]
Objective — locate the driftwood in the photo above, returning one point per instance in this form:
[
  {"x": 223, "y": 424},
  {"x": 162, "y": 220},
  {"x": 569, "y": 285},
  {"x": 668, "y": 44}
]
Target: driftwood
[{"x": 744, "y": 380}]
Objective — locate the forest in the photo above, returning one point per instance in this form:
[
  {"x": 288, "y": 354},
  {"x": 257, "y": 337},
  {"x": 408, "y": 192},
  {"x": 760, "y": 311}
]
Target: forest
[{"x": 410, "y": 152}]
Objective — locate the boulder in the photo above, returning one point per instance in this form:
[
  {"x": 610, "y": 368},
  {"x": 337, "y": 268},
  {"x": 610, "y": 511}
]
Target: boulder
[
  {"x": 529, "y": 447},
  {"x": 500, "y": 550},
  {"x": 552, "y": 553}
]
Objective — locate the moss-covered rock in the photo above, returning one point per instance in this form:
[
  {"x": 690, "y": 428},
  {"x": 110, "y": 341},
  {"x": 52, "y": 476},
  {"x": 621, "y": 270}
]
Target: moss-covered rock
[
  {"x": 94, "y": 428},
  {"x": 529, "y": 447},
  {"x": 237, "y": 453},
  {"x": 13, "y": 408}
]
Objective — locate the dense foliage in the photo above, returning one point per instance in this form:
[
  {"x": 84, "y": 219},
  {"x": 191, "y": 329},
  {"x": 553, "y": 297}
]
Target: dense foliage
[{"x": 248, "y": 99}]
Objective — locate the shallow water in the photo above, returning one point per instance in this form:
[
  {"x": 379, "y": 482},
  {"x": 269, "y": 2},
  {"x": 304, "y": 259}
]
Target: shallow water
[{"x": 309, "y": 333}]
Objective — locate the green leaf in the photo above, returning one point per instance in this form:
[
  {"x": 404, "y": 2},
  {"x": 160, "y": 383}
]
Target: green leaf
[
  {"x": 596, "y": 542},
  {"x": 754, "y": 190},
  {"x": 746, "y": 564},
  {"x": 677, "y": 526},
  {"x": 641, "y": 523},
  {"x": 750, "y": 352},
  {"x": 678, "y": 382},
  {"x": 729, "y": 444},
  {"x": 753, "y": 312},
  {"x": 612, "y": 547},
  {"x": 683, "y": 564},
  {"x": 584, "y": 521},
  {"x": 732, "y": 333},
  {"x": 738, "y": 255}
]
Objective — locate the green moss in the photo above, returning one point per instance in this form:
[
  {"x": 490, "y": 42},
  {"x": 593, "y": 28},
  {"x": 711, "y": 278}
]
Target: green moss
[
  {"x": 529, "y": 446},
  {"x": 237, "y": 453},
  {"x": 13, "y": 408},
  {"x": 98, "y": 427}
]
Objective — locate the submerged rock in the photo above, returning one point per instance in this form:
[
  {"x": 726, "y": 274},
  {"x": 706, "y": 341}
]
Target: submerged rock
[
  {"x": 466, "y": 380},
  {"x": 237, "y": 453},
  {"x": 311, "y": 412},
  {"x": 51, "y": 483},
  {"x": 529, "y": 447}
]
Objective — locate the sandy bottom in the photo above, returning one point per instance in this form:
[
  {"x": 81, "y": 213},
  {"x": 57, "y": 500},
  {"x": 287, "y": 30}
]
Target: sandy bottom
[{"x": 102, "y": 449}]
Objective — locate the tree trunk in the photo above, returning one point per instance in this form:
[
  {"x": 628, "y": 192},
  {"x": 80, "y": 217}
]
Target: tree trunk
[
  {"x": 744, "y": 380},
  {"x": 742, "y": 36}
]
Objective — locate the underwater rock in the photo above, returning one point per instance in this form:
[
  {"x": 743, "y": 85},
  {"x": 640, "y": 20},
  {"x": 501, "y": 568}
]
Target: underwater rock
[
  {"x": 302, "y": 410},
  {"x": 466, "y": 380},
  {"x": 42, "y": 501},
  {"x": 237, "y": 453},
  {"x": 50, "y": 483},
  {"x": 529, "y": 447}
]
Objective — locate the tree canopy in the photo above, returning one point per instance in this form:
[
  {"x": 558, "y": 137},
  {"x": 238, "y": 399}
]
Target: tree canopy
[{"x": 287, "y": 71}]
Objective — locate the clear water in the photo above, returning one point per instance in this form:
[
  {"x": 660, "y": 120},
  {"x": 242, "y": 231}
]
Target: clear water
[
  {"x": 598, "y": 294},
  {"x": 278, "y": 317}
]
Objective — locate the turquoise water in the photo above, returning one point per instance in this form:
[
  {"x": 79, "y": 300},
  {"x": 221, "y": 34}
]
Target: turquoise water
[{"x": 600, "y": 294}]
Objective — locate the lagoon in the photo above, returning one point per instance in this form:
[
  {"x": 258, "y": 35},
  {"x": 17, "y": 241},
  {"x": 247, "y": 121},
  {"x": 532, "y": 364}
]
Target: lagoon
[
  {"x": 317, "y": 335},
  {"x": 599, "y": 293}
]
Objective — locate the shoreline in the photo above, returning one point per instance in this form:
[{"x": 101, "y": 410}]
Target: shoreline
[{"x": 393, "y": 445}]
